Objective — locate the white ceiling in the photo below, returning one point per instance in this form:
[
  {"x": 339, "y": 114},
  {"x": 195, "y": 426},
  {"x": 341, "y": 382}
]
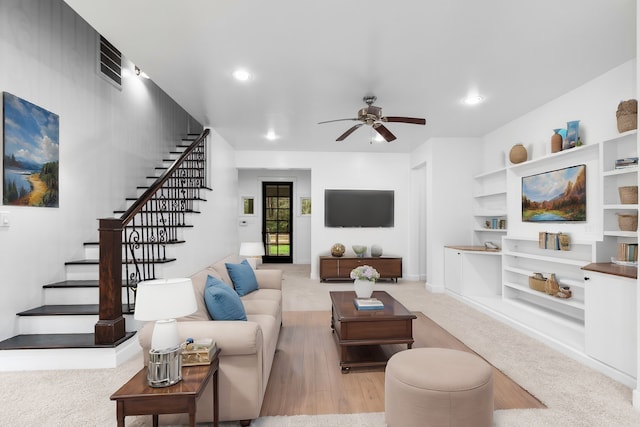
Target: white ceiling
[{"x": 315, "y": 60}]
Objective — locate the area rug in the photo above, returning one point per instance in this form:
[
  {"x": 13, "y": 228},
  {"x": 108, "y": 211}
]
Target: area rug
[{"x": 306, "y": 377}]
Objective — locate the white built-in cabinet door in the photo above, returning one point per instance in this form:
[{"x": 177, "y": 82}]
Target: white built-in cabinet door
[{"x": 610, "y": 320}]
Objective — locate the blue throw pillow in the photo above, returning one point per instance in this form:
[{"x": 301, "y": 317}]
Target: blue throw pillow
[
  {"x": 222, "y": 302},
  {"x": 243, "y": 278}
]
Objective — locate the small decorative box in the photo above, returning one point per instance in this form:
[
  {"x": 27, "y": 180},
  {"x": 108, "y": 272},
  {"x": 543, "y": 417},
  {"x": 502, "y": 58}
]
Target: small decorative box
[{"x": 198, "y": 352}]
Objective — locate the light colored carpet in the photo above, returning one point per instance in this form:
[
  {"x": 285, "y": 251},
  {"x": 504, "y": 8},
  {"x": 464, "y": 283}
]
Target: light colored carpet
[{"x": 575, "y": 395}]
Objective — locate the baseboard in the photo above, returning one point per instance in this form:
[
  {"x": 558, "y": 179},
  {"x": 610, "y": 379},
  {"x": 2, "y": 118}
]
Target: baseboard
[
  {"x": 636, "y": 398},
  {"x": 434, "y": 289},
  {"x": 569, "y": 351}
]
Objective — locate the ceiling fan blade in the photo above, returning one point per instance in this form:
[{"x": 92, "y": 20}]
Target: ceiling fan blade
[
  {"x": 349, "y": 132},
  {"x": 386, "y": 133},
  {"x": 412, "y": 120},
  {"x": 337, "y": 120}
]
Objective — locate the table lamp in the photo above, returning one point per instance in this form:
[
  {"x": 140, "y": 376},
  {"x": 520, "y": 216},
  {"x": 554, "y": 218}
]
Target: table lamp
[
  {"x": 253, "y": 251},
  {"x": 163, "y": 300}
]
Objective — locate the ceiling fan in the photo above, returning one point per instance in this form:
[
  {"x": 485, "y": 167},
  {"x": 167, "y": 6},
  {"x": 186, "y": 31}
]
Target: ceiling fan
[{"x": 372, "y": 116}]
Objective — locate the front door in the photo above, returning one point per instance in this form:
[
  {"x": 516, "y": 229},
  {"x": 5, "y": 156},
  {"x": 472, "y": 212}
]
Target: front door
[{"x": 277, "y": 224}]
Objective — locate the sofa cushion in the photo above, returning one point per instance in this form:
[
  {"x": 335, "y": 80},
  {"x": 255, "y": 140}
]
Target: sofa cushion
[
  {"x": 221, "y": 268},
  {"x": 243, "y": 278},
  {"x": 262, "y": 306},
  {"x": 199, "y": 281},
  {"x": 222, "y": 302}
]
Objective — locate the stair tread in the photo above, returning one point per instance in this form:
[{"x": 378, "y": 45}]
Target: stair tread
[
  {"x": 57, "y": 341},
  {"x": 67, "y": 310},
  {"x": 169, "y": 242},
  {"x": 96, "y": 261},
  {"x": 171, "y": 187},
  {"x": 132, "y": 199},
  {"x": 74, "y": 284}
]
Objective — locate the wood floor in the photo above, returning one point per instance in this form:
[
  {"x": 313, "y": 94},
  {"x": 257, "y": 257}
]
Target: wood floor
[{"x": 306, "y": 377}]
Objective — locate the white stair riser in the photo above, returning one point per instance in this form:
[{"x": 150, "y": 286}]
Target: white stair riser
[
  {"x": 90, "y": 271},
  {"x": 69, "y": 358},
  {"x": 93, "y": 251},
  {"x": 66, "y": 296},
  {"x": 78, "y": 324}
]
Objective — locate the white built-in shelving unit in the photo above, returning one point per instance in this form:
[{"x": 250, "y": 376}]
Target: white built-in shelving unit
[
  {"x": 574, "y": 325},
  {"x": 622, "y": 146},
  {"x": 561, "y": 319},
  {"x": 490, "y": 206}
]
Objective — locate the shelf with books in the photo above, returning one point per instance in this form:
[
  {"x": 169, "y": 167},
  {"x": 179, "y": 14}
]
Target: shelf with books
[
  {"x": 619, "y": 166},
  {"x": 489, "y": 205}
]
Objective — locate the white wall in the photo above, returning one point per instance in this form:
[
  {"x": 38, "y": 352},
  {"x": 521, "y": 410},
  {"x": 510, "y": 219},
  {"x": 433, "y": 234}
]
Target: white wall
[
  {"x": 213, "y": 235},
  {"x": 342, "y": 171},
  {"x": 451, "y": 164},
  {"x": 250, "y": 226},
  {"x": 594, "y": 104},
  {"x": 109, "y": 141}
]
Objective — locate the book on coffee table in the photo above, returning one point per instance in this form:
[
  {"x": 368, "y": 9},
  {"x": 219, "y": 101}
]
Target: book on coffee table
[{"x": 368, "y": 304}]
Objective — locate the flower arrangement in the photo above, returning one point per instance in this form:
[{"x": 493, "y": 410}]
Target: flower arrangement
[{"x": 365, "y": 272}]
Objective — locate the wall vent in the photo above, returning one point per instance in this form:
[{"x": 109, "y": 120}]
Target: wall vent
[{"x": 110, "y": 63}]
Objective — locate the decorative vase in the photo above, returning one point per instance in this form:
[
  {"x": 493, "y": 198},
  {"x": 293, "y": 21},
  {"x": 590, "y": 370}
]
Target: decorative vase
[
  {"x": 359, "y": 250},
  {"x": 572, "y": 134},
  {"x": 363, "y": 288},
  {"x": 518, "y": 154},
  {"x": 376, "y": 251},
  {"x": 556, "y": 141},
  {"x": 551, "y": 286},
  {"x": 337, "y": 250}
]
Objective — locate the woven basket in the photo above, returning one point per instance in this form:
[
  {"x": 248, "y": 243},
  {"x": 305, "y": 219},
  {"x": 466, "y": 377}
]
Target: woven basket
[
  {"x": 628, "y": 195},
  {"x": 628, "y": 222},
  {"x": 627, "y": 115},
  {"x": 537, "y": 284}
]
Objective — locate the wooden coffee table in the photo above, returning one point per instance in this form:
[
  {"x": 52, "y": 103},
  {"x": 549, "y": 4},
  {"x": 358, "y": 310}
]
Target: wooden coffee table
[
  {"x": 358, "y": 328},
  {"x": 136, "y": 397}
]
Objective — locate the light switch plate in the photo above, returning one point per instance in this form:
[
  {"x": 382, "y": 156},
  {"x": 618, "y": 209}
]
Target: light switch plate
[{"x": 4, "y": 219}]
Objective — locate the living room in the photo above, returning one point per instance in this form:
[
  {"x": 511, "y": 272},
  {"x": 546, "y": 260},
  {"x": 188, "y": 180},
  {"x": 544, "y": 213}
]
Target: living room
[{"x": 105, "y": 153}]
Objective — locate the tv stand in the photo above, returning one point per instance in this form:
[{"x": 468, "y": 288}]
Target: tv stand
[{"x": 339, "y": 268}]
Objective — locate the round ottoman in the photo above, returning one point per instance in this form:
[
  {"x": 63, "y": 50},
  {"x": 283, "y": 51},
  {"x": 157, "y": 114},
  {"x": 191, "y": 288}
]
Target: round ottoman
[{"x": 438, "y": 387}]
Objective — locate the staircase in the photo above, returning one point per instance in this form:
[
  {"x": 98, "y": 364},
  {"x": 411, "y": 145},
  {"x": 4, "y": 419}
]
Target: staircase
[{"x": 61, "y": 334}]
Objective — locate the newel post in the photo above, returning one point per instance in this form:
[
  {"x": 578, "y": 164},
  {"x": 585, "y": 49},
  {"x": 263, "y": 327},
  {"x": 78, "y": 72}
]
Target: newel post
[{"x": 111, "y": 326}]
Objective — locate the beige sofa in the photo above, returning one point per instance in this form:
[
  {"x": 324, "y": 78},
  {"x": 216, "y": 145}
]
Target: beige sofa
[{"x": 247, "y": 348}]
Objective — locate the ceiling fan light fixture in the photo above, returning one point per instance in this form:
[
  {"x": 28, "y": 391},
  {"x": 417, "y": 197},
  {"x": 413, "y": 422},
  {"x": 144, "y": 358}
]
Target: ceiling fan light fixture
[
  {"x": 377, "y": 138},
  {"x": 473, "y": 100}
]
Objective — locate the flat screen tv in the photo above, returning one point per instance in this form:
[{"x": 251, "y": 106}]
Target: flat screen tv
[
  {"x": 558, "y": 195},
  {"x": 358, "y": 208}
]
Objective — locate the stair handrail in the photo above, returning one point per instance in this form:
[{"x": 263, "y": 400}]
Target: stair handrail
[
  {"x": 110, "y": 328},
  {"x": 146, "y": 196}
]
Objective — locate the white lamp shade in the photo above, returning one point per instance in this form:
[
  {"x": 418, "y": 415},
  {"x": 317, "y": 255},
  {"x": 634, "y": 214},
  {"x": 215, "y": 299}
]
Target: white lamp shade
[
  {"x": 251, "y": 249},
  {"x": 164, "y": 299}
]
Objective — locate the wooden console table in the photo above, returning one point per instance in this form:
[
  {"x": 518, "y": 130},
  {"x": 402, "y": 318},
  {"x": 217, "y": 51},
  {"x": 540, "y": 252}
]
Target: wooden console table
[
  {"x": 136, "y": 397},
  {"x": 339, "y": 268}
]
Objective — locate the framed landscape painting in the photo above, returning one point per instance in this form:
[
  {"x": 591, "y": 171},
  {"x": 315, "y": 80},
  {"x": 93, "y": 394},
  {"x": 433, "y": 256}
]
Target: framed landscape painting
[
  {"x": 558, "y": 195},
  {"x": 31, "y": 150}
]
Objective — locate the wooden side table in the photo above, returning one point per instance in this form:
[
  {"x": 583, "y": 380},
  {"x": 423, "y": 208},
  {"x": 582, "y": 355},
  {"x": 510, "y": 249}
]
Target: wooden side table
[{"x": 136, "y": 397}]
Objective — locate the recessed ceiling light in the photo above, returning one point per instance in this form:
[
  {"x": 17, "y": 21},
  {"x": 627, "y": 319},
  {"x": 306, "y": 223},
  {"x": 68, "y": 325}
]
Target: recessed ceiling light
[
  {"x": 473, "y": 100},
  {"x": 241, "y": 75},
  {"x": 271, "y": 135}
]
